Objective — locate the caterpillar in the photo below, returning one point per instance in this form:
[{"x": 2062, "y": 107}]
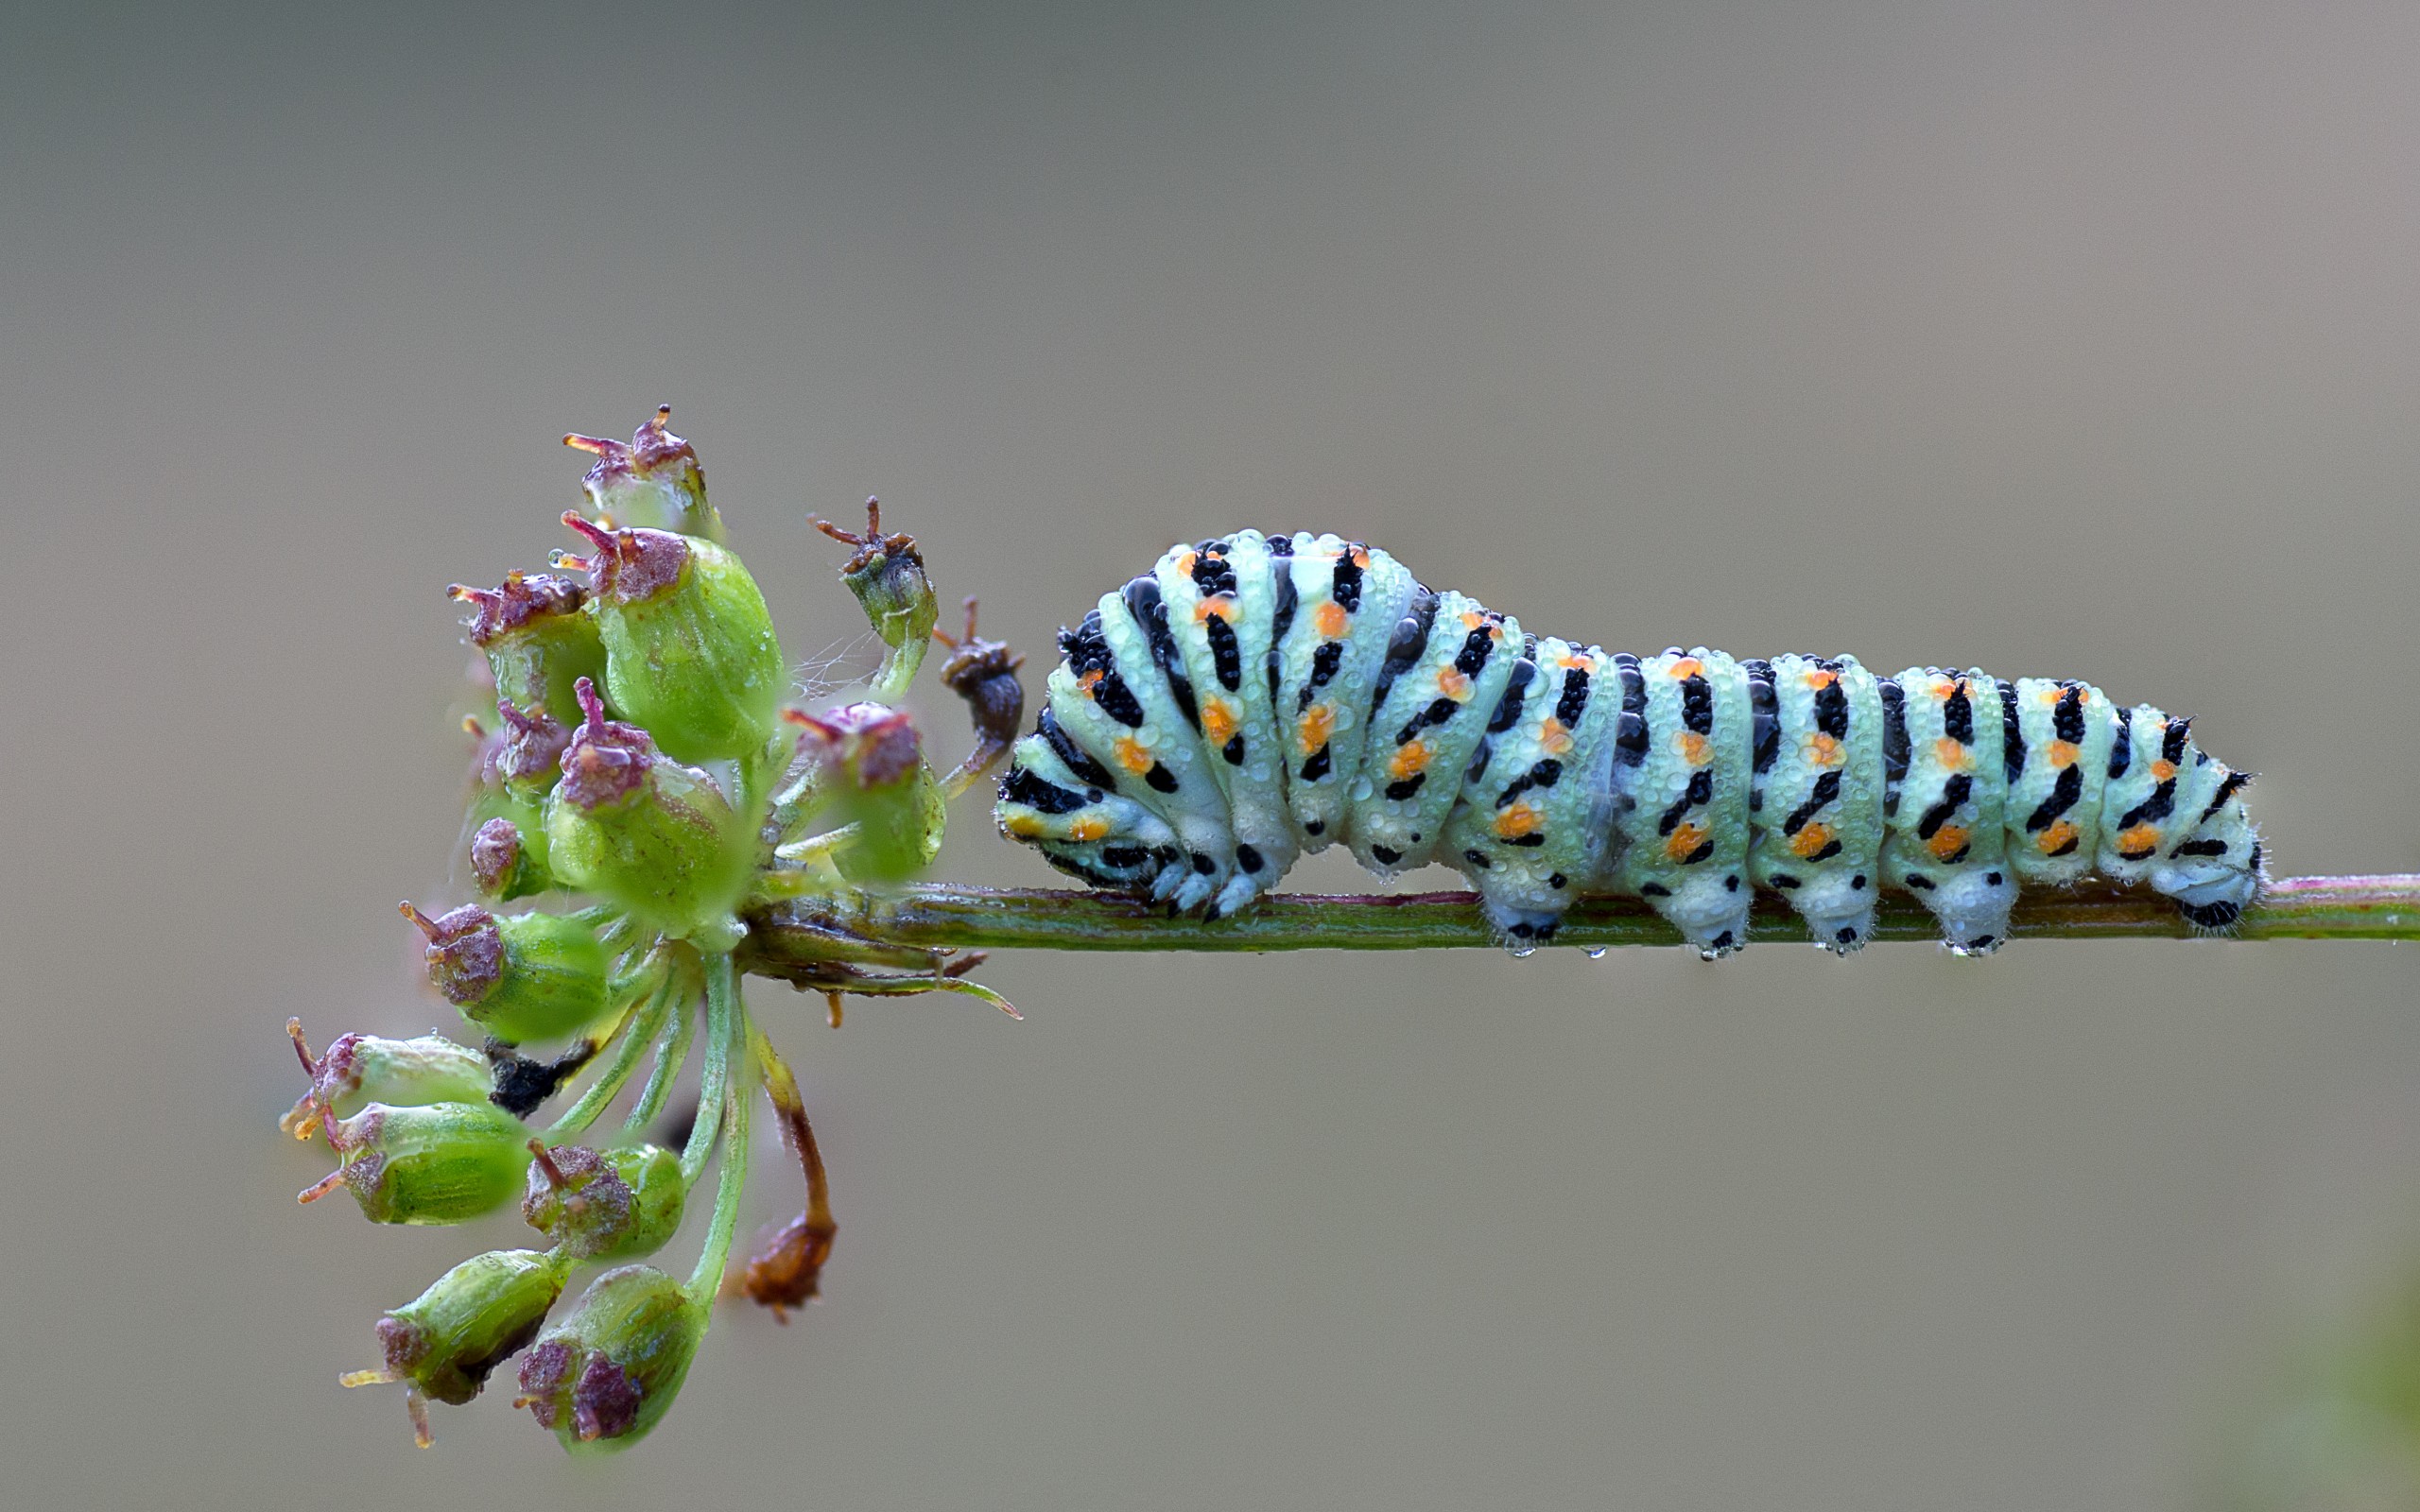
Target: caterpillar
[{"x": 1253, "y": 697}]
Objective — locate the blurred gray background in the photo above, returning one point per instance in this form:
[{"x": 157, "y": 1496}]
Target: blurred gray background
[{"x": 2072, "y": 339}]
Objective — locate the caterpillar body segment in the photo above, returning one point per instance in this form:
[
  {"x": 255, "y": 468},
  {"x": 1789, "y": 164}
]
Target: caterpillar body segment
[
  {"x": 1431, "y": 713},
  {"x": 1818, "y": 795},
  {"x": 1543, "y": 772},
  {"x": 1255, "y": 696},
  {"x": 1352, "y": 606},
  {"x": 1946, "y": 802},
  {"x": 2062, "y": 737},
  {"x": 1682, "y": 824}
]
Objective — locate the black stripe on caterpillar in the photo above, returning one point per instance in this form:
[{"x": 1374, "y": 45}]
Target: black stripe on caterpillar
[{"x": 1255, "y": 697}]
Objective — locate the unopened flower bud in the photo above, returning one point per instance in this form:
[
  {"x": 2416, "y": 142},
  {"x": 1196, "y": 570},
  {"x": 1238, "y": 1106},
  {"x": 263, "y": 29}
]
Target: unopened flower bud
[
  {"x": 869, "y": 769},
  {"x": 503, "y": 864},
  {"x": 887, "y": 574},
  {"x": 654, "y": 483},
  {"x": 652, "y": 835},
  {"x": 689, "y": 649},
  {"x": 530, "y": 756},
  {"x": 605, "y": 1374},
  {"x": 537, "y": 638},
  {"x": 361, "y": 1069},
  {"x": 445, "y": 1342},
  {"x": 435, "y": 1163},
  {"x": 505, "y": 871},
  {"x": 605, "y": 1204},
  {"x": 522, "y": 977}
]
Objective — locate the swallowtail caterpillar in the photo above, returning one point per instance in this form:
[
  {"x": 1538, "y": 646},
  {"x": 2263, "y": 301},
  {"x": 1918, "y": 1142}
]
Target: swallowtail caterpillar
[{"x": 1253, "y": 697}]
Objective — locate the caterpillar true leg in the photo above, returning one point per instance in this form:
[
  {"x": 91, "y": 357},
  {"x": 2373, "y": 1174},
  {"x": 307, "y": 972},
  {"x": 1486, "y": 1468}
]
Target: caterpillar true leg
[{"x": 1253, "y": 697}]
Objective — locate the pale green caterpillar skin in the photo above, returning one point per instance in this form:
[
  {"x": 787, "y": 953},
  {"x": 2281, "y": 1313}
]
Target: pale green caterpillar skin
[{"x": 1255, "y": 698}]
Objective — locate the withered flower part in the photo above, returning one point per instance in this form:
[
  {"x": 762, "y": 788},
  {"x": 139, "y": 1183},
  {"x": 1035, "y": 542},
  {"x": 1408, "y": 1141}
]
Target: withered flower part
[
  {"x": 521, "y": 1084},
  {"x": 786, "y": 1269},
  {"x": 983, "y": 672}
]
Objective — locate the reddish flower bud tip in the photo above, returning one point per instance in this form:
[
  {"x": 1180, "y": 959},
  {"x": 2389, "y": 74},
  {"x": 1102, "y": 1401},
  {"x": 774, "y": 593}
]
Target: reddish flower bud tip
[
  {"x": 533, "y": 746},
  {"x": 605, "y": 761},
  {"x": 655, "y": 444},
  {"x": 604, "y": 1204},
  {"x": 654, "y": 480},
  {"x": 875, "y": 744},
  {"x": 465, "y": 951},
  {"x": 519, "y": 600},
  {"x": 587, "y": 529},
  {"x": 629, "y": 564},
  {"x": 495, "y": 852},
  {"x": 873, "y": 545},
  {"x": 605, "y": 1374}
]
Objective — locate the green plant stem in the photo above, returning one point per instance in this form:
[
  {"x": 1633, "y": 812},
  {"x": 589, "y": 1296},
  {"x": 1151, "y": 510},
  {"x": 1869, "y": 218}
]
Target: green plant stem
[
  {"x": 727, "y": 1022},
  {"x": 632, "y": 1034},
  {"x": 713, "y": 1079},
  {"x": 792, "y": 938},
  {"x": 671, "y": 1054}
]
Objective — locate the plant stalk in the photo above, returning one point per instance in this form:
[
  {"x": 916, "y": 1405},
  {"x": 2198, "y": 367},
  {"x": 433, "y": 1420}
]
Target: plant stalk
[{"x": 791, "y": 938}]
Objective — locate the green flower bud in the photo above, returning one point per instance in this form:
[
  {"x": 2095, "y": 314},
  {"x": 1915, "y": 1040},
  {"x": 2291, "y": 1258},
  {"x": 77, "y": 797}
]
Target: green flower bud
[
  {"x": 523, "y": 977},
  {"x": 654, "y": 837},
  {"x": 435, "y": 1163},
  {"x": 652, "y": 483},
  {"x": 539, "y": 640},
  {"x": 887, "y": 574},
  {"x": 689, "y": 650},
  {"x": 604, "y": 1375},
  {"x": 445, "y": 1342},
  {"x": 888, "y": 577},
  {"x": 361, "y": 1069},
  {"x": 870, "y": 771},
  {"x": 605, "y": 1204}
]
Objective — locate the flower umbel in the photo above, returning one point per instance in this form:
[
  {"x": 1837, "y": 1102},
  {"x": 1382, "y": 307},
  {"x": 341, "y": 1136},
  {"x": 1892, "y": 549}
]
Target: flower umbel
[{"x": 637, "y": 763}]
